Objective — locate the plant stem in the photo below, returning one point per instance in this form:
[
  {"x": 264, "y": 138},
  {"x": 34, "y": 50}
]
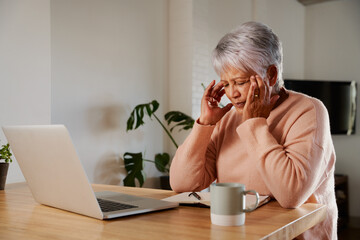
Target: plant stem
[
  {"x": 152, "y": 161},
  {"x": 147, "y": 160},
  {"x": 168, "y": 133}
]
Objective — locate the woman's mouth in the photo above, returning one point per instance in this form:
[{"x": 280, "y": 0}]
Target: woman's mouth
[{"x": 239, "y": 104}]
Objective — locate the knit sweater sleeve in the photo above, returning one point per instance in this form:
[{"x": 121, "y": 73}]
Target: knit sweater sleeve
[
  {"x": 193, "y": 167},
  {"x": 293, "y": 168}
]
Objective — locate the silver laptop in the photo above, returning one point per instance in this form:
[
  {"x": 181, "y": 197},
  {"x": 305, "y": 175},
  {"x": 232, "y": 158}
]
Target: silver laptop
[{"x": 53, "y": 171}]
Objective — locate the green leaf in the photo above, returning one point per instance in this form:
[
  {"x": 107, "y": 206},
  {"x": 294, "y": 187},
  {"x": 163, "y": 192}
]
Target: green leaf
[
  {"x": 155, "y": 105},
  {"x": 137, "y": 115},
  {"x": 162, "y": 161},
  {"x": 5, "y": 153},
  {"x": 148, "y": 109},
  {"x": 183, "y": 121},
  {"x": 130, "y": 121},
  {"x": 134, "y": 165}
]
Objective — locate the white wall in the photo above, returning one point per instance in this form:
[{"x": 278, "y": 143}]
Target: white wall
[
  {"x": 333, "y": 53},
  {"x": 107, "y": 57},
  {"x": 24, "y": 67},
  {"x": 287, "y": 19},
  {"x": 180, "y": 62}
]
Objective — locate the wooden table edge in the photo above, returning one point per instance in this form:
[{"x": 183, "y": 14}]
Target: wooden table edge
[{"x": 289, "y": 231}]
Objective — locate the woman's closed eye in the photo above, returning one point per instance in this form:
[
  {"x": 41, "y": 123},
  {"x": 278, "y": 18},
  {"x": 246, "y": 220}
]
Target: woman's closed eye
[
  {"x": 240, "y": 83},
  {"x": 236, "y": 81}
]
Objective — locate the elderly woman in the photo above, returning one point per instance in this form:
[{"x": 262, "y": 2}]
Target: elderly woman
[{"x": 274, "y": 141}]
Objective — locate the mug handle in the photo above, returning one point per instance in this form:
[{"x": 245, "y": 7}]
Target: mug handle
[{"x": 256, "y": 203}]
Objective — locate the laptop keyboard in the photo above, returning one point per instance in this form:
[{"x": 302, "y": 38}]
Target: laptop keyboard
[{"x": 109, "y": 206}]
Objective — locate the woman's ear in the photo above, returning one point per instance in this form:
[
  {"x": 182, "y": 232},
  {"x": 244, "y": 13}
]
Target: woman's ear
[{"x": 272, "y": 74}]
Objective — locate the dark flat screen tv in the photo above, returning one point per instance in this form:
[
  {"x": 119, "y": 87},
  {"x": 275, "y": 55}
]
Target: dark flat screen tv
[{"x": 338, "y": 97}]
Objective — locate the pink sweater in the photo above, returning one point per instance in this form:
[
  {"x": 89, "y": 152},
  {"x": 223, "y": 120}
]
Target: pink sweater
[{"x": 289, "y": 156}]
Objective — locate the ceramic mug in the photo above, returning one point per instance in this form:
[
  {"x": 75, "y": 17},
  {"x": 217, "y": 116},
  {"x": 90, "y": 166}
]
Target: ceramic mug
[{"x": 228, "y": 203}]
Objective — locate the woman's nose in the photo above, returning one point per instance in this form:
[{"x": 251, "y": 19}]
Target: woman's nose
[{"x": 233, "y": 91}]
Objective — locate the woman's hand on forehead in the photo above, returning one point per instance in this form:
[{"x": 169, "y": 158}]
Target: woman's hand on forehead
[
  {"x": 259, "y": 101},
  {"x": 211, "y": 113}
]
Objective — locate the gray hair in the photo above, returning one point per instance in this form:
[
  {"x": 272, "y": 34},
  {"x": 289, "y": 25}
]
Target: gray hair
[{"x": 251, "y": 46}]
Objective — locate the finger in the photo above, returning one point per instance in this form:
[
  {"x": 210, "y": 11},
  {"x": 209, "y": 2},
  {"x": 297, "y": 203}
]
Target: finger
[
  {"x": 207, "y": 91},
  {"x": 261, "y": 86},
  {"x": 208, "y": 100},
  {"x": 211, "y": 102},
  {"x": 267, "y": 91},
  {"x": 251, "y": 93},
  {"x": 216, "y": 89},
  {"x": 220, "y": 95}
]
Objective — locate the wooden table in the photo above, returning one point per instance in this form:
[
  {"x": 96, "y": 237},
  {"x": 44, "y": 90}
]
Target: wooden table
[{"x": 22, "y": 218}]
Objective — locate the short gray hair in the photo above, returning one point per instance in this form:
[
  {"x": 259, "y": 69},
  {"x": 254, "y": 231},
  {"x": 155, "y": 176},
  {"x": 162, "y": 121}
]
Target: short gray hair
[{"x": 251, "y": 46}]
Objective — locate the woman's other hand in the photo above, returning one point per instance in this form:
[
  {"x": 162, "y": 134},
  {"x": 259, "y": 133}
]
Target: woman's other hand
[
  {"x": 211, "y": 113},
  {"x": 259, "y": 102}
]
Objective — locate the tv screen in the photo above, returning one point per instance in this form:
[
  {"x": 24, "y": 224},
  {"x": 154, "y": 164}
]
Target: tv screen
[{"x": 338, "y": 97}]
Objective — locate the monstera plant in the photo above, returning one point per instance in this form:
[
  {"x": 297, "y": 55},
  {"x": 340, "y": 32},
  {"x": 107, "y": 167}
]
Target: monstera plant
[{"x": 134, "y": 162}]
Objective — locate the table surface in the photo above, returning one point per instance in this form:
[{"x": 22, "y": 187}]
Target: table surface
[{"x": 23, "y": 218}]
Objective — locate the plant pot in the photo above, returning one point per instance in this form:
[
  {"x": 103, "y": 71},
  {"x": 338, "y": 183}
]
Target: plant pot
[
  {"x": 3, "y": 173},
  {"x": 165, "y": 182}
]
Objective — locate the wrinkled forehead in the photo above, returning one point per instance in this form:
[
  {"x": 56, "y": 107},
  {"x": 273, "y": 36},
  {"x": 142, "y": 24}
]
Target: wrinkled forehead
[{"x": 232, "y": 72}]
